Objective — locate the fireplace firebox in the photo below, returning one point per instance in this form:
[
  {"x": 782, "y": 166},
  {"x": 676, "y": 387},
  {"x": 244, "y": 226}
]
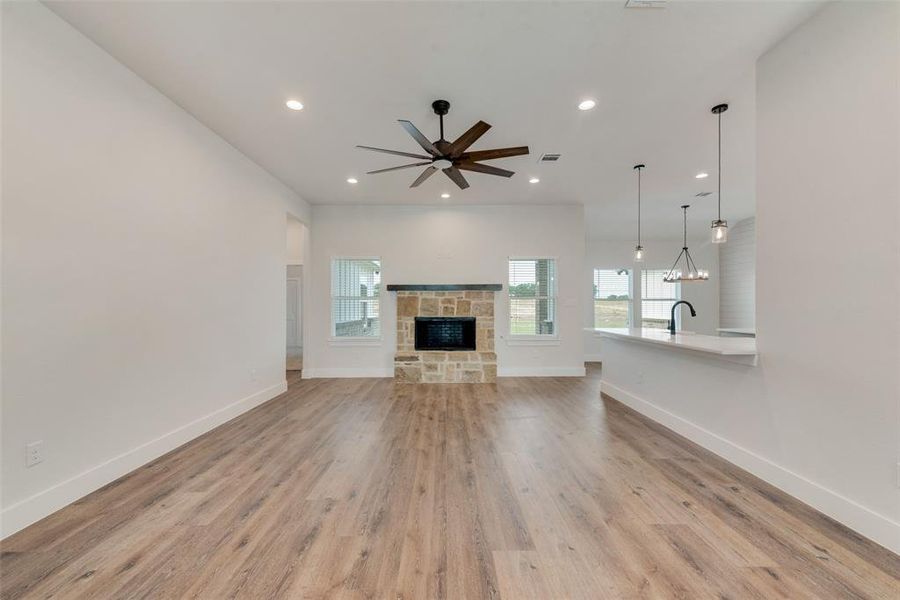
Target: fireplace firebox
[{"x": 445, "y": 333}]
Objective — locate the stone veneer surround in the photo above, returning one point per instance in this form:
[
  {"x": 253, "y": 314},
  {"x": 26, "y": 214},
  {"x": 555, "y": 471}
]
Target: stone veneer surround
[{"x": 414, "y": 366}]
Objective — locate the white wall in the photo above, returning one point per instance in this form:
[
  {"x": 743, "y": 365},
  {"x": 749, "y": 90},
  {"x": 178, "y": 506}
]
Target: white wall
[
  {"x": 446, "y": 244},
  {"x": 660, "y": 254},
  {"x": 737, "y": 276},
  {"x": 819, "y": 416},
  {"x": 143, "y": 270},
  {"x": 297, "y": 240},
  {"x": 828, "y": 138}
]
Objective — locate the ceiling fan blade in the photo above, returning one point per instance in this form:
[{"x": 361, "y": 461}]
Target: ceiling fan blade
[
  {"x": 496, "y": 153},
  {"x": 397, "y": 152},
  {"x": 468, "y": 138},
  {"x": 425, "y": 175},
  {"x": 418, "y": 164},
  {"x": 470, "y": 166},
  {"x": 457, "y": 177},
  {"x": 419, "y": 137}
]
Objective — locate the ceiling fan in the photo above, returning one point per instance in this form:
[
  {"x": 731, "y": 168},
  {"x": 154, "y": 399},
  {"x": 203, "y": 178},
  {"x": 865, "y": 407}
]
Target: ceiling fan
[{"x": 450, "y": 157}]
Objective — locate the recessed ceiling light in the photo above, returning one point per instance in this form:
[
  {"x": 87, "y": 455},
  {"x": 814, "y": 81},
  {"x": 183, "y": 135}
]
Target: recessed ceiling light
[
  {"x": 701, "y": 175},
  {"x": 534, "y": 180},
  {"x": 445, "y": 195},
  {"x": 587, "y": 105},
  {"x": 352, "y": 180},
  {"x": 294, "y": 104}
]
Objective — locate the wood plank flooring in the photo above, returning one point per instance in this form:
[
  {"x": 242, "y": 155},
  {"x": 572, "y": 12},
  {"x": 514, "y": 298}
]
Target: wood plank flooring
[{"x": 530, "y": 488}]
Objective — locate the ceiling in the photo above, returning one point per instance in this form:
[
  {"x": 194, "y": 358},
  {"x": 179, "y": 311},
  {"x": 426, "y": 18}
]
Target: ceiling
[{"x": 521, "y": 66}]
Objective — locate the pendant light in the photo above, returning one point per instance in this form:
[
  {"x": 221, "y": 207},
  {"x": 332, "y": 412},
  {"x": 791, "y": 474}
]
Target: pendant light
[
  {"x": 720, "y": 225},
  {"x": 690, "y": 272},
  {"x": 639, "y": 250}
]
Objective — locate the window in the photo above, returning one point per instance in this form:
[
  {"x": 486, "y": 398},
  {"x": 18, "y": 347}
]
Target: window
[
  {"x": 657, "y": 298},
  {"x": 612, "y": 297},
  {"x": 532, "y": 296},
  {"x": 355, "y": 289}
]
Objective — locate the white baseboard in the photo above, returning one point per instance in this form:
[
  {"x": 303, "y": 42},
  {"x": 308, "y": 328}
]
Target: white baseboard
[
  {"x": 541, "y": 371},
  {"x": 593, "y": 358},
  {"x": 872, "y": 525},
  {"x": 30, "y": 510},
  {"x": 341, "y": 373}
]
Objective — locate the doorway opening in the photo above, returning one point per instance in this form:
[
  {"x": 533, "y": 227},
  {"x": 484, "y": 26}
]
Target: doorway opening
[
  {"x": 293, "y": 321},
  {"x": 297, "y": 241}
]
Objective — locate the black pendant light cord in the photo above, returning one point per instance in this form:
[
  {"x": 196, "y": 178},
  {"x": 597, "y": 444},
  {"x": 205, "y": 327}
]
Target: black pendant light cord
[
  {"x": 638, "y": 169},
  {"x": 639, "y": 206},
  {"x": 720, "y": 166},
  {"x": 688, "y": 259},
  {"x": 718, "y": 110}
]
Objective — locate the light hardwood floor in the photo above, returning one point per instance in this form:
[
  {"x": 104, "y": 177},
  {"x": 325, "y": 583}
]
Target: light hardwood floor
[{"x": 530, "y": 488}]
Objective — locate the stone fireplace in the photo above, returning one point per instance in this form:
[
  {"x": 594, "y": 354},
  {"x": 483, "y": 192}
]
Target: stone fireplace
[{"x": 442, "y": 316}]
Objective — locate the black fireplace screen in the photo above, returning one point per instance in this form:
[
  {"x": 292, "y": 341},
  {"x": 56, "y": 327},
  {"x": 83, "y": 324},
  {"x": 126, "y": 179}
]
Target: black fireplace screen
[{"x": 445, "y": 333}]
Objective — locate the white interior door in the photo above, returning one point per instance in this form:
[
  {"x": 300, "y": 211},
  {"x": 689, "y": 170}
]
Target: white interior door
[{"x": 293, "y": 313}]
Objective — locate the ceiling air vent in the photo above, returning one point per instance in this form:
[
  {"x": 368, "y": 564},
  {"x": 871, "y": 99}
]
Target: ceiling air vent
[
  {"x": 549, "y": 157},
  {"x": 645, "y": 3},
  {"x": 703, "y": 194}
]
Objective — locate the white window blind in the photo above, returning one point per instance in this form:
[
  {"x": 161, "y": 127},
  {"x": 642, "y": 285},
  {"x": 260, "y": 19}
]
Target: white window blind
[
  {"x": 612, "y": 298},
  {"x": 657, "y": 298},
  {"x": 355, "y": 290},
  {"x": 532, "y": 296}
]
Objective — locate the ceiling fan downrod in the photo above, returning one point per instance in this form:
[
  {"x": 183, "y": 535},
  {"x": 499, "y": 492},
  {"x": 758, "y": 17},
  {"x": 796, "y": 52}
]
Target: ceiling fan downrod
[{"x": 441, "y": 108}]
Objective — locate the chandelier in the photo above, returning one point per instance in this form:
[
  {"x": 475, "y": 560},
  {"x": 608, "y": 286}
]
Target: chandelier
[{"x": 690, "y": 272}]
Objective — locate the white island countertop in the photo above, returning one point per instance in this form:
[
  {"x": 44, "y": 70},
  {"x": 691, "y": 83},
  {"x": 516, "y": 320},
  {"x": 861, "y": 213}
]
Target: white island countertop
[{"x": 710, "y": 344}]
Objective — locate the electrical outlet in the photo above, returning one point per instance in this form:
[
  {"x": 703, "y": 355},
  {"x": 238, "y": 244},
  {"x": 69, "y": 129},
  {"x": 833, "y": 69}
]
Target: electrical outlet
[
  {"x": 253, "y": 376},
  {"x": 639, "y": 378},
  {"x": 898, "y": 474},
  {"x": 34, "y": 453}
]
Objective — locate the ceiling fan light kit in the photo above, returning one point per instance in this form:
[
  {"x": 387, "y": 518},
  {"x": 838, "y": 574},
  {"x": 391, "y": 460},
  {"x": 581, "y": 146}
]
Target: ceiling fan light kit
[{"x": 450, "y": 157}]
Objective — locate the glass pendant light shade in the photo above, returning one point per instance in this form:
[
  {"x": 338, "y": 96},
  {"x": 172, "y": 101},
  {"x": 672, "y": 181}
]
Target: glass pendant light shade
[
  {"x": 719, "y": 231},
  {"x": 638, "y": 254}
]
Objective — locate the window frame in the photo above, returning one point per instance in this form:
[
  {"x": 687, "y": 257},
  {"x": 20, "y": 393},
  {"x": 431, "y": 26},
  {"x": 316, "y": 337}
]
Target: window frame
[
  {"x": 677, "y": 286},
  {"x": 528, "y": 339},
  {"x": 355, "y": 340},
  {"x": 594, "y": 299}
]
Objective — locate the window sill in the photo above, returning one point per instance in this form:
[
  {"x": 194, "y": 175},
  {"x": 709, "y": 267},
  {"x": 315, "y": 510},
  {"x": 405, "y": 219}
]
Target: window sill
[
  {"x": 354, "y": 341},
  {"x": 524, "y": 340}
]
